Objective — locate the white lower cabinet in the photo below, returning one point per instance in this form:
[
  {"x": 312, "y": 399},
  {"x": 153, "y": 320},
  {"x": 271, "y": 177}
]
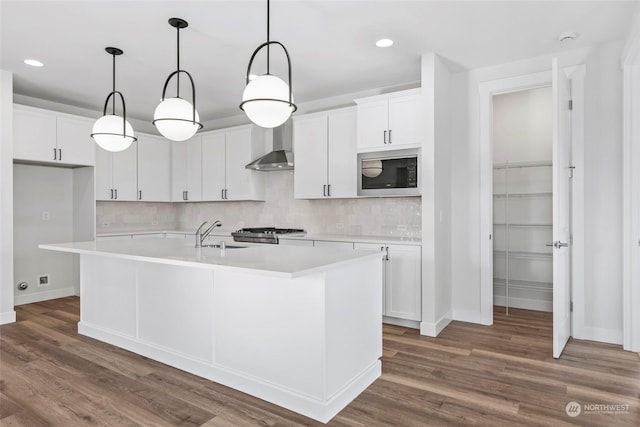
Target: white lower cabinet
[{"x": 402, "y": 279}]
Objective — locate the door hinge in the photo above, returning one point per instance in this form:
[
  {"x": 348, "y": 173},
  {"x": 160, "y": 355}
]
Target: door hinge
[
  {"x": 571, "y": 306},
  {"x": 571, "y": 168},
  {"x": 571, "y": 104}
]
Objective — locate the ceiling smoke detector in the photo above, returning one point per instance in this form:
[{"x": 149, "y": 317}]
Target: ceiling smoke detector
[{"x": 567, "y": 36}]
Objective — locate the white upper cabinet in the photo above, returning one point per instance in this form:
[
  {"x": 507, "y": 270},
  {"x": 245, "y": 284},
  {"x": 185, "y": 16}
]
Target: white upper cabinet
[
  {"x": 117, "y": 174},
  {"x": 186, "y": 170},
  {"x": 154, "y": 168},
  {"x": 225, "y": 153},
  {"x": 51, "y": 137},
  {"x": 390, "y": 121},
  {"x": 325, "y": 154}
]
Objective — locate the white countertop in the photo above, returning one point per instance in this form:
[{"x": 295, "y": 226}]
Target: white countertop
[
  {"x": 357, "y": 238},
  {"x": 325, "y": 237},
  {"x": 272, "y": 260}
]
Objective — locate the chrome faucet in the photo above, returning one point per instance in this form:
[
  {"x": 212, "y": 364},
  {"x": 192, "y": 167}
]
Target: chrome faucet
[{"x": 201, "y": 235}]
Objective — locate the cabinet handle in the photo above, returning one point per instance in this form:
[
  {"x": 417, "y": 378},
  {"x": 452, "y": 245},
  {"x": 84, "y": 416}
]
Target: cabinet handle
[
  {"x": 386, "y": 257},
  {"x": 324, "y": 190},
  {"x": 184, "y": 195},
  {"x": 111, "y": 193},
  {"x": 139, "y": 194},
  {"x": 384, "y": 138},
  {"x": 55, "y": 154},
  {"x": 329, "y": 190},
  {"x": 389, "y": 136},
  {"x": 59, "y": 153},
  {"x": 226, "y": 195},
  {"x": 116, "y": 192}
]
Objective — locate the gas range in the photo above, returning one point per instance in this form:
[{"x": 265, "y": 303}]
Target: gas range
[{"x": 264, "y": 234}]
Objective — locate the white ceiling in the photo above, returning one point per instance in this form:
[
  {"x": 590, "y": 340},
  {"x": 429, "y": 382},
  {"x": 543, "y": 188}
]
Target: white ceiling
[{"x": 331, "y": 43}]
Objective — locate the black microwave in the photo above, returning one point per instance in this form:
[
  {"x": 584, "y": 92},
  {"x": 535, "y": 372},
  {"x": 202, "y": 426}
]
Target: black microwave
[{"x": 389, "y": 173}]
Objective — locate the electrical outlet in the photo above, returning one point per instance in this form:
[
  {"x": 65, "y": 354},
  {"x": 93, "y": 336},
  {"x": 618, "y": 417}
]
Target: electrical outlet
[
  {"x": 402, "y": 228},
  {"x": 43, "y": 280}
]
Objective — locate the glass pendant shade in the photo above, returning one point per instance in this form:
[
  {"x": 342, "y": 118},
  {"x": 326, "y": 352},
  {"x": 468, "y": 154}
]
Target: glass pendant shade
[
  {"x": 174, "y": 119},
  {"x": 266, "y": 101},
  {"x": 112, "y": 132},
  {"x": 108, "y": 133},
  {"x": 371, "y": 168}
]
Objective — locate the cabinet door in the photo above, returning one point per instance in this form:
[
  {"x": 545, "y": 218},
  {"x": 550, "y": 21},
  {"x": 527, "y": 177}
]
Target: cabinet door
[
  {"x": 342, "y": 161},
  {"x": 76, "y": 147},
  {"x": 34, "y": 135},
  {"x": 186, "y": 170},
  {"x": 213, "y": 166},
  {"x": 404, "y": 282},
  {"x": 179, "y": 170},
  {"x": 373, "y": 125},
  {"x": 125, "y": 174},
  {"x": 154, "y": 169},
  {"x": 239, "y": 180},
  {"x": 194, "y": 169},
  {"x": 404, "y": 121},
  {"x": 310, "y": 144},
  {"x": 104, "y": 174}
]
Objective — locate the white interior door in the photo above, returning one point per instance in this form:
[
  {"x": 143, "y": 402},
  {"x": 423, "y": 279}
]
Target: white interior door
[{"x": 561, "y": 210}]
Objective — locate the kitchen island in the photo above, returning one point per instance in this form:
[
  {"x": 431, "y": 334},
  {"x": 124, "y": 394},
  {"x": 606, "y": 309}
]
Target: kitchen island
[{"x": 298, "y": 327}]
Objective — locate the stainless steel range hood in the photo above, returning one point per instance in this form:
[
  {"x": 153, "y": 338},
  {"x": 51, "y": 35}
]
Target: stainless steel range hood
[{"x": 281, "y": 158}]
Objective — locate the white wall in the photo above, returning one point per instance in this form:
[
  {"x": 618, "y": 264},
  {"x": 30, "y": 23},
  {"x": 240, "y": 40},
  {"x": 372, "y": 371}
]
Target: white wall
[
  {"x": 603, "y": 199},
  {"x": 7, "y": 314},
  {"x": 39, "y": 190},
  {"x": 522, "y": 126},
  {"x": 436, "y": 196}
]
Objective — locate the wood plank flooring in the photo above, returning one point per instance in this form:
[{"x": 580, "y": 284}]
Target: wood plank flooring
[{"x": 471, "y": 374}]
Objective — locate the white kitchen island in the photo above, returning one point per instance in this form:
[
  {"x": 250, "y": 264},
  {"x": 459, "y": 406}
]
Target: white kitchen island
[{"x": 299, "y": 327}]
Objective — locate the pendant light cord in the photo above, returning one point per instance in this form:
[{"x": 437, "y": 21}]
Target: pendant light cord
[
  {"x": 268, "y": 39},
  {"x": 113, "y": 105},
  {"x": 178, "y": 63}
]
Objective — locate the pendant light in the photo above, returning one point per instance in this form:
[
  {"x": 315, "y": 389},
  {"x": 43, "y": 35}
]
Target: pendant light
[
  {"x": 268, "y": 100},
  {"x": 112, "y": 132},
  {"x": 175, "y": 118}
]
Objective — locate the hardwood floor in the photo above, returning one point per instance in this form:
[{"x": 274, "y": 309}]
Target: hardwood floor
[{"x": 471, "y": 374}]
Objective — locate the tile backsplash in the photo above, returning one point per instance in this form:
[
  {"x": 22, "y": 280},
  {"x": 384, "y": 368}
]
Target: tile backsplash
[{"x": 397, "y": 216}]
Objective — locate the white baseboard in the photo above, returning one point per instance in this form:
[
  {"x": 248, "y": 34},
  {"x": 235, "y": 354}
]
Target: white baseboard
[
  {"x": 609, "y": 336},
  {"x": 524, "y": 303},
  {"x": 469, "y": 316},
  {"x": 433, "y": 329},
  {"x": 7, "y": 317},
  {"x": 43, "y": 296},
  {"x": 401, "y": 322}
]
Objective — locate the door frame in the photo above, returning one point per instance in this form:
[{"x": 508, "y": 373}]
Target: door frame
[
  {"x": 514, "y": 84},
  {"x": 631, "y": 194}
]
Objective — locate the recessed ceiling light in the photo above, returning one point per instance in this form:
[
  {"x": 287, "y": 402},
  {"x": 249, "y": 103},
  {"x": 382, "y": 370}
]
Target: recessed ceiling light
[
  {"x": 384, "y": 43},
  {"x": 567, "y": 36},
  {"x": 33, "y": 62}
]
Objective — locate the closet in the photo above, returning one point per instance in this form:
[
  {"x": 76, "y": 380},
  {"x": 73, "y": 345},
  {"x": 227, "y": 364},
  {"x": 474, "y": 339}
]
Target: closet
[{"x": 522, "y": 200}]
